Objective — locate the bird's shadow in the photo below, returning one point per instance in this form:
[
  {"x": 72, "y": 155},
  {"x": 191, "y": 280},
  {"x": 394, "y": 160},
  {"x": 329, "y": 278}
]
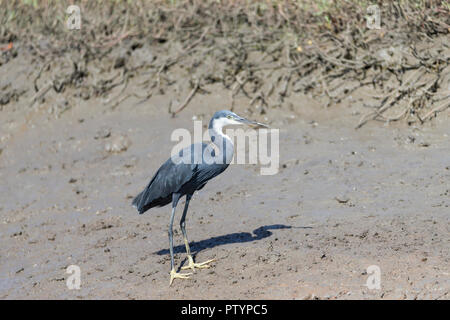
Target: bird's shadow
[{"x": 237, "y": 237}]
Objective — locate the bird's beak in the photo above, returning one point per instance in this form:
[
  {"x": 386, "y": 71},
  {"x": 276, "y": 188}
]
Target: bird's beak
[{"x": 252, "y": 123}]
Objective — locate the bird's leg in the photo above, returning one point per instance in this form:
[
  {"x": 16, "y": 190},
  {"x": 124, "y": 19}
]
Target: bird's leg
[
  {"x": 192, "y": 265},
  {"x": 173, "y": 273}
]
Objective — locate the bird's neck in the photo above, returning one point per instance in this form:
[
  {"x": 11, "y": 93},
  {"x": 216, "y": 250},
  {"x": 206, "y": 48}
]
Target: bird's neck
[{"x": 222, "y": 141}]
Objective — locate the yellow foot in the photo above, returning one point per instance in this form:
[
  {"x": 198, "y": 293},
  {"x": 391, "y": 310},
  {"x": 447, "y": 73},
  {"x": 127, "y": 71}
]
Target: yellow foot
[
  {"x": 192, "y": 265},
  {"x": 176, "y": 275}
]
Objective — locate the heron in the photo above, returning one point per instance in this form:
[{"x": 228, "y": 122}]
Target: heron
[{"x": 186, "y": 172}]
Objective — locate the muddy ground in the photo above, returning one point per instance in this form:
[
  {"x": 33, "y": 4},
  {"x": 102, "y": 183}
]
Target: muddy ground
[{"x": 343, "y": 199}]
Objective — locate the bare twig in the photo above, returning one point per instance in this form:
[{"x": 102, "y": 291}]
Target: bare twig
[{"x": 188, "y": 99}]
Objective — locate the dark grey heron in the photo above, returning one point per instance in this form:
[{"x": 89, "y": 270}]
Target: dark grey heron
[{"x": 188, "y": 171}]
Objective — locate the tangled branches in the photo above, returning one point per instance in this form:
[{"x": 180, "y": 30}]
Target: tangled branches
[{"x": 265, "y": 51}]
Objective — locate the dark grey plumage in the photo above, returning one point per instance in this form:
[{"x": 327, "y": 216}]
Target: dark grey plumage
[{"x": 175, "y": 177}]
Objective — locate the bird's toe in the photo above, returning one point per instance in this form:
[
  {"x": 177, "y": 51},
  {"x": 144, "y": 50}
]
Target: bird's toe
[
  {"x": 177, "y": 275},
  {"x": 202, "y": 265}
]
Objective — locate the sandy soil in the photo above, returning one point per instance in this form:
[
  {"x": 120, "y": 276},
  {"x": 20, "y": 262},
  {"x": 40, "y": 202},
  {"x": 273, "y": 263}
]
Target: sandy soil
[{"x": 343, "y": 200}]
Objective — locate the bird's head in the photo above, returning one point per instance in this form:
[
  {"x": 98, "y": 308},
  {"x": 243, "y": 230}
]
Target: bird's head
[{"x": 224, "y": 118}]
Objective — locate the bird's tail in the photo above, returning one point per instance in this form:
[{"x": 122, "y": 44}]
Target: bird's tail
[
  {"x": 137, "y": 203},
  {"x": 150, "y": 197},
  {"x": 142, "y": 202}
]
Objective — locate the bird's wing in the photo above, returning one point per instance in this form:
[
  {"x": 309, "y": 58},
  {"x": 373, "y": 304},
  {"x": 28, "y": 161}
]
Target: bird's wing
[
  {"x": 205, "y": 172},
  {"x": 169, "y": 179}
]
